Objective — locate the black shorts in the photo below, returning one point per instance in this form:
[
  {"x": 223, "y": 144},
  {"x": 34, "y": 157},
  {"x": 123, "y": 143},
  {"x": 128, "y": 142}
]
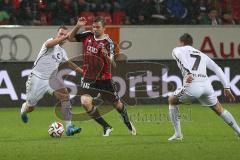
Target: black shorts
[{"x": 106, "y": 88}]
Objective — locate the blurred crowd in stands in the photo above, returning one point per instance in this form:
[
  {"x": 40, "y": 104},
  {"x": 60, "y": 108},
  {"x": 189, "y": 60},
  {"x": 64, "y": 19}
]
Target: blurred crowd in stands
[{"x": 120, "y": 12}]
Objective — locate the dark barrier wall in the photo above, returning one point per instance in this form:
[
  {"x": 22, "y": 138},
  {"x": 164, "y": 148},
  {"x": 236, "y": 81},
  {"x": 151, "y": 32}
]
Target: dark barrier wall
[{"x": 138, "y": 82}]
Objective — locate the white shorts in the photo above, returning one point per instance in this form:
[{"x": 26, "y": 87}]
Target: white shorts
[
  {"x": 201, "y": 91},
  {"x": 37, "y": 87}
]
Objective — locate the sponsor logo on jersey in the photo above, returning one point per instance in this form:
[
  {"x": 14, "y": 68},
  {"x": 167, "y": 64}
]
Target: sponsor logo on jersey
[{"x": 92, "y": 49}]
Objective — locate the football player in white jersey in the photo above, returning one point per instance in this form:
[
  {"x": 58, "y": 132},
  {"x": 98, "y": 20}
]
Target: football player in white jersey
[
  {"x": 196, "y": 85},
  {"x": 43, "y": 79}
]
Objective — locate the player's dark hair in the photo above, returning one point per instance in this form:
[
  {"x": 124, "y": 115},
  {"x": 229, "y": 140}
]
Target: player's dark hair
[
  {"x": 62, "y": 27},
  {"x": 186, "y": 39},
  {"x": 100, "y": 19}
]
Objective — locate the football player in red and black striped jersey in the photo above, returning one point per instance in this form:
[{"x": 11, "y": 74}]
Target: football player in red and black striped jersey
[{"x": 98, "y": 57}]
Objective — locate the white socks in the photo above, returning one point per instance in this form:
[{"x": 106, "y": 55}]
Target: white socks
[
  {"x": 68, "y": 123},
  {"x": 24, "y": 108},
  {"x": 175, "y": 118},
  {"x": 229, "y": 119}
]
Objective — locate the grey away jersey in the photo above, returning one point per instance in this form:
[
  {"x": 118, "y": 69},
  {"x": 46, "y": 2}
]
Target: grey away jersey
[{"x": 48, "y": 60}]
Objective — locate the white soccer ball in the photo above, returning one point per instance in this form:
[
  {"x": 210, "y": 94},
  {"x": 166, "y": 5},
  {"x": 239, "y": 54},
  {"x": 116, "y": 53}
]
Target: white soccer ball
[{"x": 56, "y": 130}]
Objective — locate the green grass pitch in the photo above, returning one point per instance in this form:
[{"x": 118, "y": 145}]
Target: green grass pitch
[{"x": 206, "y": 136}]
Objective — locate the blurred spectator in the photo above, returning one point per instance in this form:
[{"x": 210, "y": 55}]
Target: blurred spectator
[
  {"x": 203, "y": 6},
  {"x": 197, "y": 9},
  {"x": 223, "y": 6},
  {"x": 106, "y": 6},
  {"x": 145, "y": 14},
  {"x": 6, "y": 12},
  {"x": 132, "y": 14},
  {"x": 117, "y": 5},
  {"x": 235, "y": 9},
  {"x": 43, "y": 14},
  {"x": 7, "y": 6},
  {"x": 142, "y": 12},
  {"x": 127, "y": 21},
  {"x": 95, "y": 5},
  {"x": 63, "y": 13},
  {"x": 81, "y": 6},
  {"x": 4, "y": 17},
  {"x": 16, "y": 3},
  {"x": 228, "y": 19},
  {"x": 159, "y": 16},
  {"x": 212, "y": 18},
  {"x": 128, "y": 12},
  {"x": 177, "y": 11},
  {"x": 26, "y": 13}
]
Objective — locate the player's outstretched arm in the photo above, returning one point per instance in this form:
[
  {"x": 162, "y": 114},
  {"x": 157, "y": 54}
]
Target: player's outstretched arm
[
  {"x": 216, "y": 69},
  {"x": 74, "y": 67},
  {"x": 81, "y": 22},
  {"x": 55, "y": 41},
  {"x": 228, "y": 93}
]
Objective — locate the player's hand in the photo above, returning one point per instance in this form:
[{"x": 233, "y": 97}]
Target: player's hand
[
  {"x": 189, "y": 78},
  {"x": 81, "y": 22},
  {"x": 228, "y": 93}
]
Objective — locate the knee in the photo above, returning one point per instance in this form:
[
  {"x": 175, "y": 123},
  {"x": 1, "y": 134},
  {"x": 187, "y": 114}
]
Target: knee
[
  {"x": 62, "y": 95},
  {"x": 218, "y": 109},
  {"x": 118, "y": 105},
  {"x": 65, "y": 97},
  {"x": 86, "y": 101}
]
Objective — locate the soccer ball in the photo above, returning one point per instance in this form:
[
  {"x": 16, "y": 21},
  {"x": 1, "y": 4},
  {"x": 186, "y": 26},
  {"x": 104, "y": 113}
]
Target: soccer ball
[{"x": 56, "y": 130}]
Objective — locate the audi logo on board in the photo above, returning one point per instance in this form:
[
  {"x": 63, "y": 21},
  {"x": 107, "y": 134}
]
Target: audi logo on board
[{"x": 11, "y": 47}]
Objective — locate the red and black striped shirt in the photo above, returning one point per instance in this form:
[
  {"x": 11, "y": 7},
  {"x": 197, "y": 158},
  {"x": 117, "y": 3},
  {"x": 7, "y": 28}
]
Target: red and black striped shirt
[{"x": 95, "y": 64}]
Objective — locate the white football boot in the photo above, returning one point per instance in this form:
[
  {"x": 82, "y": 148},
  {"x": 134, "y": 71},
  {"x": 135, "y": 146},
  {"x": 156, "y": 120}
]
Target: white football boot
[
  {"x": 107, "y": 131},
  {"x": 176, "y": 138},
  {"x": 133, "y": 131}
]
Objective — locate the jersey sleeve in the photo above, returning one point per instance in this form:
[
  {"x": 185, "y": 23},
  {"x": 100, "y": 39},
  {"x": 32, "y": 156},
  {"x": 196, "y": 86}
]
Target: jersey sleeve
[
  {"x": 181, "y": 59},
  {"x": 44, "y": 44},
  {"x": 111, "y": 50},
  {"x": 44, "y": 49},
  {"x": 83, "y": 35},
  {"x": 218, "y": 71},
  {"x": 65, "y": 57},
  {"x": 111, "y": 47}
]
